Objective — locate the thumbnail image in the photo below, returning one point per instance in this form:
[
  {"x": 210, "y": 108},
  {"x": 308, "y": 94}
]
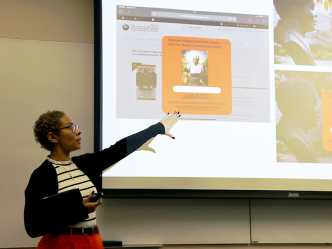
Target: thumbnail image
[
  {"x": 303, "y": 32},
  {"x": 146, "y": 82},
  {"x": 299, "y": 116},
  {"x": 195, "y": 67}
]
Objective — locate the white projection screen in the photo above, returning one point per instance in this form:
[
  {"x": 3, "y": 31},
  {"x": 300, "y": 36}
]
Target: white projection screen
[{"x": 251, "y": 78}]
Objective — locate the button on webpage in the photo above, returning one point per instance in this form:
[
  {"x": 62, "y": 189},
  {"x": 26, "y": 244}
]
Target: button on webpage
[{"x": 197, "y": 89}]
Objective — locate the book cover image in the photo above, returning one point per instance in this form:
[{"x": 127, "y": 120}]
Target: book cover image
[{"x": 146, "y": 82}]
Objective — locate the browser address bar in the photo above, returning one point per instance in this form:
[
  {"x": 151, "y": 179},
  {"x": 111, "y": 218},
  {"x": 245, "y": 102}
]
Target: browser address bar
[{"x": 193, "y": 16}]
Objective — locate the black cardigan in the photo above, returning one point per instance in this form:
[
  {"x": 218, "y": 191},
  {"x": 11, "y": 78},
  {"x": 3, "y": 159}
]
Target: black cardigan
[{"x": 44, "y": 182}]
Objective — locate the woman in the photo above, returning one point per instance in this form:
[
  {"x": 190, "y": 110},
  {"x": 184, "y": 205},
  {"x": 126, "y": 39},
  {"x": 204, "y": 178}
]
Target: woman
[{"x": 73, "y": 224}]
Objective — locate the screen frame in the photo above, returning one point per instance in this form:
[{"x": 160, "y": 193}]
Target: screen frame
[
  {"x": 98, "y": 80},
  {"x": 168, "y": 193},
  {"x": 216, "y": 194}
]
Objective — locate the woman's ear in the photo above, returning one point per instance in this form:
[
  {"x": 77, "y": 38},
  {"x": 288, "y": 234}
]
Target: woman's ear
[{"x": 52, "y": 137}]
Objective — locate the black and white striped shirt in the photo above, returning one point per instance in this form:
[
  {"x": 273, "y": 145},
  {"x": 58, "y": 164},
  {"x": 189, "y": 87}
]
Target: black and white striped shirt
[
  {"x": 45, "y": 181},
  {"x": 70, "y": 177}
]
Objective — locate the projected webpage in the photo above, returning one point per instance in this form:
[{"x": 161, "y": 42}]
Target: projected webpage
[
  {"x": 254, "y": 90},
  {"x": 206, "y": 65}
]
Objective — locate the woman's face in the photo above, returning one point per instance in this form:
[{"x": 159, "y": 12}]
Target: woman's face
[
  {"x": 67, "y": 139},
  {"x": 307, "y": 16}
]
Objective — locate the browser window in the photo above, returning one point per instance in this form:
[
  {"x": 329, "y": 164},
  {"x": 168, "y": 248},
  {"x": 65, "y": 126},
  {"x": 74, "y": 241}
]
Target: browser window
[{"x": 207, "y": 65}]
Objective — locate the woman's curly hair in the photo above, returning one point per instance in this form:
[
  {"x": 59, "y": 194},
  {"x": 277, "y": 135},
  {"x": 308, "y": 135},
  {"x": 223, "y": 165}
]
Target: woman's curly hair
[{"x": 47, "y": 122}]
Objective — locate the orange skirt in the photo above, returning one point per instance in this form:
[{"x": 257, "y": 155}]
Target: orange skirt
[{"x": 61, "y": 241}]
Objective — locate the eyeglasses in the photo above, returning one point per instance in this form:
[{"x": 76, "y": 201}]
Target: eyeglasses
[{"x": 73, "y": 128}]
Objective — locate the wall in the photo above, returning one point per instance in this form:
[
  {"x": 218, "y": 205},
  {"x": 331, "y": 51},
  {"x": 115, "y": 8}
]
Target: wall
[
  {"x": 175, "y": 221},
  {"x": 46, "y": 63},
  {"x": 254, "y": 222}
]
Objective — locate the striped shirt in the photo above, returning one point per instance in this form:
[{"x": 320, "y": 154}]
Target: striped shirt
[
  {"x": 70, "y": 177},
  {"x": 46, "y": 181}
]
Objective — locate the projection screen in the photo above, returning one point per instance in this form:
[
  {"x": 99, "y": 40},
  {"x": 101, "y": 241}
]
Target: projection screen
[{"x": 251, "y": 79}]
